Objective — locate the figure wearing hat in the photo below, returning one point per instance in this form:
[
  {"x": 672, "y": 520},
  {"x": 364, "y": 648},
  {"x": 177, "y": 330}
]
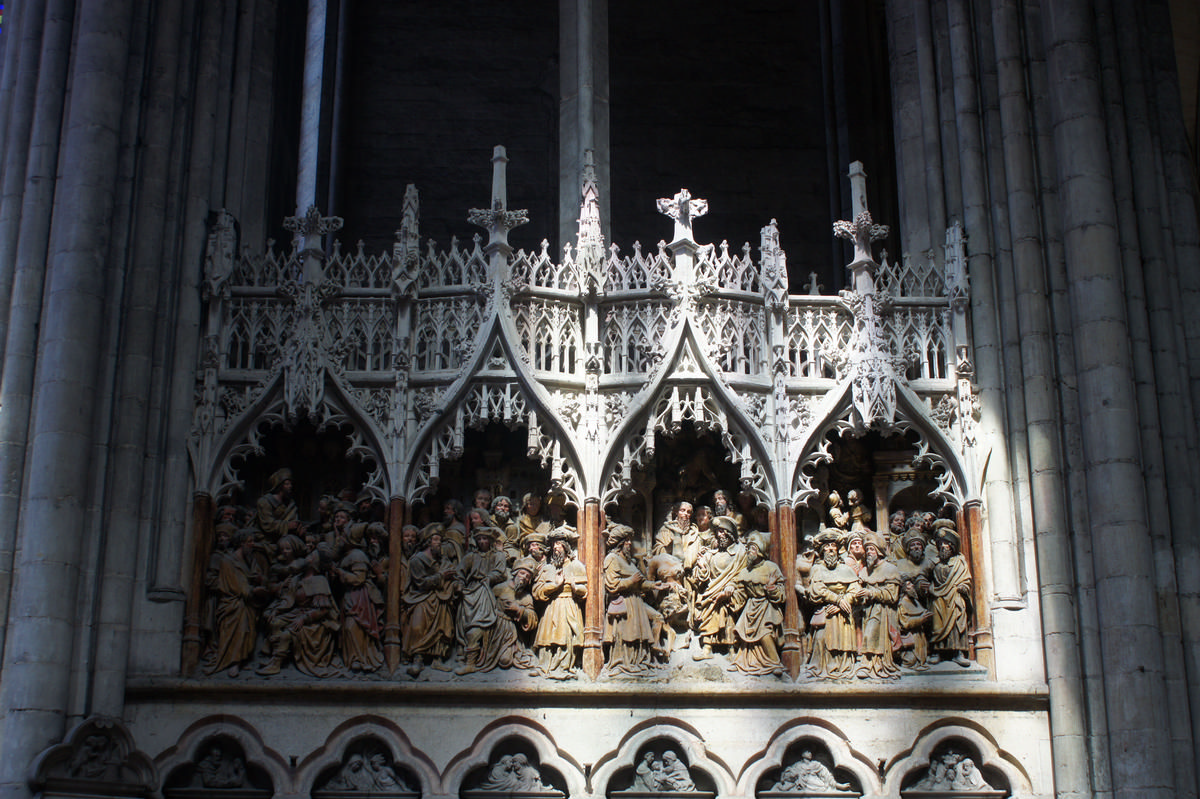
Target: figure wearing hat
[
  {"x": 761, "y": 593},
  {"x": 630, "y": 628},
  {"x": 276, "y": 513},
  {"x": 951, "y": 593},
  {"x": 561, "y": 583},
  {"x": 516, "y": 603},
  {"x": 916, "y": 565},
  {"x": 878, "y": 595},
  {"x": 831, "y": 585}
]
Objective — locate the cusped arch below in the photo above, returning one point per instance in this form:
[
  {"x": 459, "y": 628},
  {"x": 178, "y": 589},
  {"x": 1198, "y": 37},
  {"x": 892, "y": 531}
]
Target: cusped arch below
[
  {"x": 937, "y": 449},
  {"x": 976, "y": 737},
  {"x": 187, "y": 750},
  {"x": 355, "y": 730},
  {"x": 829, "y": 736},
  {"x": 213, "y": 464},
  {"x": 689, "y": 742},
  {"x": 493, "y": 736}
]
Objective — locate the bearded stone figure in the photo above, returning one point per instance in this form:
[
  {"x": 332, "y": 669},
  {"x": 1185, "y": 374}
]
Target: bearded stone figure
[
  {"x": 832, "y": 585},
  {"x": 761, "y": 592},
  {"x": 561, "y": 583}
]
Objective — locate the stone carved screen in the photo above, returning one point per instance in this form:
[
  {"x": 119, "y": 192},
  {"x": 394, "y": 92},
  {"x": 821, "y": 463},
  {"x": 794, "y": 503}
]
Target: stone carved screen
[{"x": 646, "y": 467}]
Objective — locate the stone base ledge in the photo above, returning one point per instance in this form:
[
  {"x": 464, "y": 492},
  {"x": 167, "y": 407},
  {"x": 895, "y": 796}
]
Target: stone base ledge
[{"x": 942, "y": 694}]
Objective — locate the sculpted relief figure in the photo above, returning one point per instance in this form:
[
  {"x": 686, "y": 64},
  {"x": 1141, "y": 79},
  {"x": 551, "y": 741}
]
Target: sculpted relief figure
[
  {"x": 760, "y": 593},
  {"x": 631, "y": 627},
  {"x": 515, "y": 774},
  {"x": 367, "y": 771},
  {"x": 808, "y": 775},
  {"x": 878, "y": 594},
  {"x": 303, "y": 620},
  {"x": 952, "y": 771},
  {"x": 951, "y": 592},
  {"x": 362, "y": 605},
  {"x": 677, "y": 533},
  {"x": 238, "y": 590},
  {"x": 716, "y": 575},
  {"x": 832, "y": 584},
  {"x": 485, "y": 628},
  {"x": 428, "y": 600},
  {"x": 561, "y": 583},
  {"x": 219, "y": 768}
]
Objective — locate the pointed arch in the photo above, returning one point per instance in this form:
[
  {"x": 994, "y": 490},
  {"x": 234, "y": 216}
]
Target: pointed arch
[
  {"x": 440, "y": 436},
  {"x": 188, "y": 750},
  {"x": 373, "y": 728},
  {"x": 934, "y": 448},
  {"x": 833, "y": 740},
  {"x": 495, "y": 735},
  {"x": 742, "y": 435},
  {"x": 213, "y": 460},
  {"x": 950, "y": 732},
  {"x": 674, "y": 733}
]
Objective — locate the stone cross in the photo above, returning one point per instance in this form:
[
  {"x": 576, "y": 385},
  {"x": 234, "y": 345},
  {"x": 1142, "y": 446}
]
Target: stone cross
[
  {"x": 683, "y": 209},
  {"x": 862, "y": 230}
]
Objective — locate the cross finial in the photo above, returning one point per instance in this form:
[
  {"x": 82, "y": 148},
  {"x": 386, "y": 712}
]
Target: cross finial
[
  {"x": 862, "y": 230},
  {"x": 683, "y": 209},
  {"x": 498, "y": 220}
]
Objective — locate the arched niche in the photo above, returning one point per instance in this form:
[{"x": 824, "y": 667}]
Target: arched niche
[
  {"x": 689, "y": 464},
  {"x": 221, "y": 760},
  {"x": 513, "y": 758},
  {"x": 494, "y": 457},
  {"x": 616, "y": 774},
  {"x": 392, "y": 768},
  {"x": 885, "y": 471},
  {"x": 323, "y": 461},
  {"x": 953, "y": 760},
  {"x": 783, "y": 771}
]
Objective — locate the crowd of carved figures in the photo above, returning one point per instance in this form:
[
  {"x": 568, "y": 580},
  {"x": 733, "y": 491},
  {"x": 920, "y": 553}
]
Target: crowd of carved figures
[{"x": 498, "y": 584}]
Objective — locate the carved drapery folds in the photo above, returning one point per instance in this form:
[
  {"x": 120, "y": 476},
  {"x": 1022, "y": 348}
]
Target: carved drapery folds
[{"x": 597, "y": 360}]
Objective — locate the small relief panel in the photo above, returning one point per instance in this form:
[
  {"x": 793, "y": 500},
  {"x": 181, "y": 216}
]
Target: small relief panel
[
  {"x": 807, "y": 770},
  {"x": 954, "y": 773},
  {"x": 366, "y": 768},
  {"x": 661, "y": 769},
  {"x": 514, "y": 771},
  {"x": 219, "y": 769}
]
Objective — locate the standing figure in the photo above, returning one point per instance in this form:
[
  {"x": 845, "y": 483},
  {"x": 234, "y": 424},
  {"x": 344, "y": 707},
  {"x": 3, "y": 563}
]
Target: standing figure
[
  {"x": 362, "y": 606},
  {"x": 831, "y": 585},
  {"x": 488, "y": 637},
  {"x": 838, "y": 514},
  {"x": 951, "y": 592},
  {"x": 503, "y": 520},
  {"x": 878, "y": 594},
  {"x": 629, "y": 624},
  {"x": 761, "y": 592},
  {"x": 716, "y": 575},
  {"x": 561, "y": 583},
  {"x": 913, "y": 619},
  {"x": 530, "y": 519},
  {"x": 429, "y": 605},
  {"x": 239, "y": 592}
]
